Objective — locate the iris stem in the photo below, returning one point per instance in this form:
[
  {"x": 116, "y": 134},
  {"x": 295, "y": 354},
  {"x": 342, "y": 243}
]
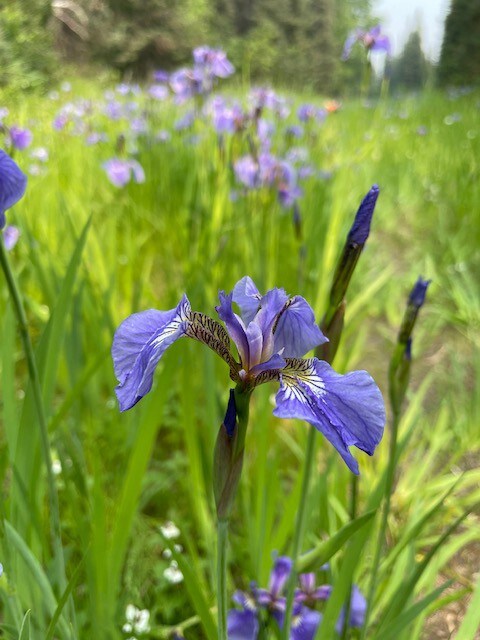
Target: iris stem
[
  {"x": 353, "y": 515},
  {"x": 299, "y": 529},
  {"x": 392, "y": 454},
  {"x": 222, "y": 539},
  {"x": 19, "y": 309}
]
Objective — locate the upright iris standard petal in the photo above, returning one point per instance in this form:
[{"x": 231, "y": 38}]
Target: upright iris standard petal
[
  {"x": 139, "y": 343},
  {"x": 347, "y": 409},
  {"x": 296, "y": 331},
  {"x": 247, "y": 297},
  {"x": 235, "y": 326},
  {"x": 279, "y": 576},
  {"x": 12, "y": 184}
]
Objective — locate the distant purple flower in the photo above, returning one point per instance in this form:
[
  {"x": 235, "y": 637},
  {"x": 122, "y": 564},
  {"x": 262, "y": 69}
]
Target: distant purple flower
[
  {"x": 11, "y": 235},
  {"x": 288, "y": 189},
  {"x": 246, "y": 172},
  {"x": 358, "y": 609},
  {"x": 272, "y": 333},
  {"x": 13, "y": 183},
  {"x": 163, "y": 136},
  {"x": 120, "y": 172},
  {"x": 161, "y": 76},
  {"x": 186, "y": 83},
  {"x": 422, "y": 130},
  {"x": 361, "y": 226},
  {"x": 418, "y": 293},
  {"x": 265, "y": 130},
  {"x": 113, "y": 110},
  {"x": 372, "y": 40},
  {"x": 294, "y": 130},
  {"x": 185, "y": 122},
  {"x": 158, "y": 91},
  {"x": 66, "y": 87},
  {"x": 95, "y": 138},
  {"x": 214, "y": 62},
  {"x": 20, "y": 138},
  {"x": 138, "y": 126},
  {"x": 308, "y": 112},
  {"x": 3, "y": 114},
  {"x": 60, "y": 122}
]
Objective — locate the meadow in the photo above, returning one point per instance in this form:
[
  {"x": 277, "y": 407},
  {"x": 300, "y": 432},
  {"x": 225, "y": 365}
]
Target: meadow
[{"x": 135, "y": 494}]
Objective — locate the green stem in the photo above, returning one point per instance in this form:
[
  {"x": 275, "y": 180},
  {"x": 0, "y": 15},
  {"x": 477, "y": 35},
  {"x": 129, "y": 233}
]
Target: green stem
[
  {"x": 299, "y": 529},
  {"x": 353, "y": 515},
  {"x": 42, "y": 422},
  {"x": 383, "y": 525},
  {"x": 222, "y": 538}
]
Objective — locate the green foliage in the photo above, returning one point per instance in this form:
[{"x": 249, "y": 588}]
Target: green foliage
[
  {"x": 123, "y": 475},
  {"x": 410, "y": 70},
  {"x": 460, "y": 56},
  {"x": 27, "y": 59}
]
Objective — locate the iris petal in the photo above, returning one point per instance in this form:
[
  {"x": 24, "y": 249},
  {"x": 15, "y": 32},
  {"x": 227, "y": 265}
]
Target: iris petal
[
  {"x": 235, "y": 326},
  {"x": 139, "y": 343},
  {"x": 305, "y": 624},
  {"x": 279, "y": 575},
  {"x": 242, "y": 625},
  {"x": 347, "y": 409},
  {"x": 247, "y": 297},
  {"x": 12, "y": 184},
  {"x": 296, "y": 331}
]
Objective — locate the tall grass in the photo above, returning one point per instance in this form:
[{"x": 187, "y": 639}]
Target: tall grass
[{"x": 123, "y": 475}]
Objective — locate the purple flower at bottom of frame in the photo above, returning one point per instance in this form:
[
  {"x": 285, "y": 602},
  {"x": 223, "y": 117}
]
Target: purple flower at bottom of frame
[
  {"x": 11, "y": 235},
  {"x": 120, "y": 172},
  {"x": 358, "y": 609},
  {"x": 271, "y": 334},
  {"x": 20, "y": 138},
  {"x": 13, "y": 183}
]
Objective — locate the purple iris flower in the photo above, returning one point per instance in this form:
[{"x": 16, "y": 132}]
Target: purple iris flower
[
  {"x": 358, "y": 608},
  {"x": 96, "y": 137},
  {"x": 246, "y": 171},
  {"x": 243, "y": 624},
  {"x": 120, "y": 172},
  {"x": 60, "y": 122},
  {"x": 372, "y": 40},
  {"x": 11, "y": 235},
  {"x": 213, "y": 61},
  {"x": 20, "y": 138},
  {"x": 13, "y": 183},
  {"x": 40, "y": 154},
  {"x": 271, "y": 333},
  {"x": 3, "y": 113},
  {"x": 113, "y": 110},
  {"x": 308, "y": 112},
  {"x": 309, "y": 593},
  {"x": 185, "y": 122},
  {"x": 186, "y": 83}
]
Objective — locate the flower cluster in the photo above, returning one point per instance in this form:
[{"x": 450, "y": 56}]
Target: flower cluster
[
  {"x": 209, "y": 64},
  {"x": 260, "y": 609},
  {"x": 271, "y": 333},
  {"x": 137, "y": 621}
]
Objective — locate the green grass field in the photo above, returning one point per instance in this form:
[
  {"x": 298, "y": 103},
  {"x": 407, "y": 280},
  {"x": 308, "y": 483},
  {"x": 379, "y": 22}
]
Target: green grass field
[{"x": 90, "y": 254}]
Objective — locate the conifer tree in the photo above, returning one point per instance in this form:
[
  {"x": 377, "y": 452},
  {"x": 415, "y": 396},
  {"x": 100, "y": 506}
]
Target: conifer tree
[{"x": 460, "y": 55}]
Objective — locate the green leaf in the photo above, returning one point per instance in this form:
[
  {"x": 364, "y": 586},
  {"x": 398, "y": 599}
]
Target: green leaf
[
  {"x": 25, "y": 628},
  {"x": 323, "y": 551},
  {"x": 406, "y": 617},
  {"x": 471, "y": 621}
]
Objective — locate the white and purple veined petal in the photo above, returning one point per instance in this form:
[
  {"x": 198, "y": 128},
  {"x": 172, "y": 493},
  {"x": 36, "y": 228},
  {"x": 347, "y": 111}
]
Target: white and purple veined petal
[
  {"x": 13, "y": 183},
  {"x": 347, "y": 409},
  {"x": 296, "y": 331},
  {"x": 139, "y": 343}
]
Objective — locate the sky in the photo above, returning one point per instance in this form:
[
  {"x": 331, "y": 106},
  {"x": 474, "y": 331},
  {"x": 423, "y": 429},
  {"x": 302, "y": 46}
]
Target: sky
[{"x": 400, "y": 17}]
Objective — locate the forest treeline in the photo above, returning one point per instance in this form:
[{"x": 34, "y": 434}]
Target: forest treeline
[{"x": 287, "y": 42}]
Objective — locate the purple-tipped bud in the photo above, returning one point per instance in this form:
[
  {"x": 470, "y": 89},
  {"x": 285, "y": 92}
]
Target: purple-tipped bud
[
  {"x": 418, "y": 293},
  {"x": 230, "y": 419},
  {"x": 361, "y": 227},
  {"x": 408, "y": 350}
]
